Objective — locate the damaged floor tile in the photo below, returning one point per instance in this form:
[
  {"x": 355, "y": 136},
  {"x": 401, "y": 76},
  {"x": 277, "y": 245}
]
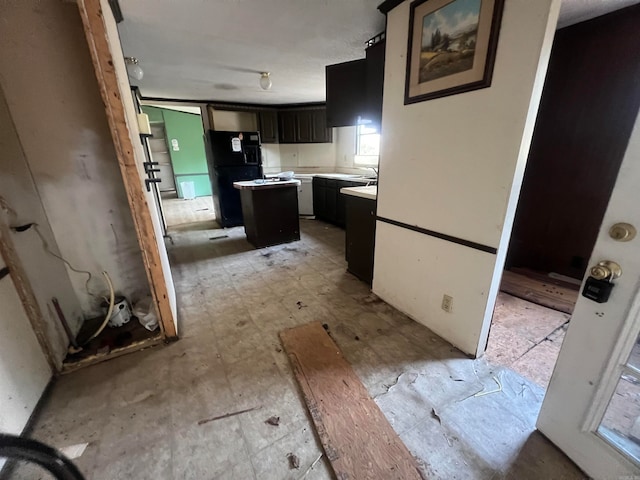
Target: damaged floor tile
[{"x": 196, "y": 409}]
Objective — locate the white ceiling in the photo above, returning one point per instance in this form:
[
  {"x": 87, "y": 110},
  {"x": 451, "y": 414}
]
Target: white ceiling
[
  {"x": 574, "y": 11},
  {"x": 215, "y": 49}
]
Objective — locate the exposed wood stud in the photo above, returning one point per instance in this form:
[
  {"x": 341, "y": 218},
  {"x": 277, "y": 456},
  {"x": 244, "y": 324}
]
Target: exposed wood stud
[{"x": 101, "y": 55}]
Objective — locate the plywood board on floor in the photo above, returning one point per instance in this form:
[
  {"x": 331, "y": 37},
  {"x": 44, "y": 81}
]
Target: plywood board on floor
[
  {"x": 356, "y": 437},
  {"x": 539, "y": 291}
]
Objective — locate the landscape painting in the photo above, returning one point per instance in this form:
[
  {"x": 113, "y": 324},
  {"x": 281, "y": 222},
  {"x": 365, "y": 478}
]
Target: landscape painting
[
  {"x": 452, "y": 46},
  {"x": 449, "y": 38}
]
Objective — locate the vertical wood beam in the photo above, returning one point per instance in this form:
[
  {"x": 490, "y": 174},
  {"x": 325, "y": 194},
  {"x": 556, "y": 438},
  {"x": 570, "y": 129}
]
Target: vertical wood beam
[
  {"x": 26, "y": 294},
  {"x": 103, "y": 62}
]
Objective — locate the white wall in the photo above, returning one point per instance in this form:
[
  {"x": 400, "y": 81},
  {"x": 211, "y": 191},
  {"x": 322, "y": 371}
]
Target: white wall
[
  {"x": 299, "y": 157},
  {"x": 454, "y": 165},
  {"x": 24, "y": 371},
  {"x": 52, "y": 93},
  {"x": 47, "y": 275}
]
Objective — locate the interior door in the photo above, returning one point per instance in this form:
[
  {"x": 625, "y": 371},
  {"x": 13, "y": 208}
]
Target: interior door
[{"x": 592, "y": 407}]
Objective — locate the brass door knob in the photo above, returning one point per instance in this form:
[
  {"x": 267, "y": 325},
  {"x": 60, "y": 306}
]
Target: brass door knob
[{"x": 606, "y": 270}]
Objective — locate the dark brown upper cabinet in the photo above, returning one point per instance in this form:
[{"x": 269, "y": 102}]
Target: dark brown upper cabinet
[
  {"x": 354, "y": 89},
  {"x": 320, "y": 132},
  {"x": 375, "y": 82},
  {"x": 346, "y": 92},
  {"x": 268, "y": 125},
  {"x": 304, "y": 125},
  {"x": 287, "y": 126}
]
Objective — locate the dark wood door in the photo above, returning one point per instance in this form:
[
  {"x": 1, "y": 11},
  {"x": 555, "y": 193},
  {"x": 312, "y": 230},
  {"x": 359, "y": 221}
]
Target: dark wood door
[
  {"x": 589, "y": 106},
  {"x": 319, "y": 131},
  {"x": 346, "y": 92},
  {"x": 268, "y": 125},
  {"x": 375, "y": 82},
  {"x": 319, "y": 197},
  {"x": 304, "y": 126},
  {"x": 341, "y": 199},
  {"x": 331, "y": 201},
  {"x": 287, "y": 126},
  {"x": 360, "y": 237}
]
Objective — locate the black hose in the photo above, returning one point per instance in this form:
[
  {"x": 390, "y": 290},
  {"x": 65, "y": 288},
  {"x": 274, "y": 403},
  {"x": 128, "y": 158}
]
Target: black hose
[{"x": 19, "y": 448}]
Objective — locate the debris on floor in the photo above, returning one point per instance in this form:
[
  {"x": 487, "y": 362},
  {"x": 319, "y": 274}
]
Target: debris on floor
[
  {"x": 74, "y": 451},
  {"x": 300, "y": 305},
  {"x": 226, "y": 415},
  {"x": 435, "y": 415},
  {"x": 497, "y": 390},
  {"x": 315, "y": 462},
  {"x": 412, "y": 376},
  {"x": 275, "y": 421},
  {"x": 294, "y": 461}
]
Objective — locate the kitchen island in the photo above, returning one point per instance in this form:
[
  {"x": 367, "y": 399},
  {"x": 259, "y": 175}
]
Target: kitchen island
[{"x": 270, "y": 211}]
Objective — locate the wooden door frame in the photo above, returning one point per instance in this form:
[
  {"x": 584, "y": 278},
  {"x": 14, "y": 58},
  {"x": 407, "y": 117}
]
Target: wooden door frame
[
  {"x": 112, "y": 96},
  {"x": 26, "y": 294}
]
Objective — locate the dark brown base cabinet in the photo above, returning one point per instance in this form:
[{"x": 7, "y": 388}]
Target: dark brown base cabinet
[
  {"x": 360, "y": 239},
  {"x": 271, "y": 215},
  {"x": 328, "y": 202}
]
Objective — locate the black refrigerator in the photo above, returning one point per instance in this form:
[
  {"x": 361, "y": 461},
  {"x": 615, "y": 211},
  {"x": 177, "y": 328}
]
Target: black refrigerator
[{"x": 235, "y": 156}]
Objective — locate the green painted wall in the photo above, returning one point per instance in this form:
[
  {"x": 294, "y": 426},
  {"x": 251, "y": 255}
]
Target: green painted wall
[
  {"x": 190, "y": 161},
  {"x": 155, "y": 114}
]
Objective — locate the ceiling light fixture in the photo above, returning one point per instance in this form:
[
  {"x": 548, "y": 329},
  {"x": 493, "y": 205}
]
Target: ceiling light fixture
[
  {"x": 133, "y": 69},
  {"x": 265, "y": 80}
]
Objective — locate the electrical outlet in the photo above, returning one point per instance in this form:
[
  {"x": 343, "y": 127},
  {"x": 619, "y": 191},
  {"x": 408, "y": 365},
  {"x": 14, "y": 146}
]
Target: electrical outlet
[{"x": 447, "y": 303}]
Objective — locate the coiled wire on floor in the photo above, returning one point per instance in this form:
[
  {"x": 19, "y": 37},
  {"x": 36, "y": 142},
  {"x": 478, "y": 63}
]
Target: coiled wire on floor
[{"x": 13, "y": 447}]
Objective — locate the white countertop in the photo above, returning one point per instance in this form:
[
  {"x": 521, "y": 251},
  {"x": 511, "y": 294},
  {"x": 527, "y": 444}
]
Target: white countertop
[
  {"x": 260, "y": 184},
  {"x": 370, "y": 192},
  {"x": 340, "y": 176}
]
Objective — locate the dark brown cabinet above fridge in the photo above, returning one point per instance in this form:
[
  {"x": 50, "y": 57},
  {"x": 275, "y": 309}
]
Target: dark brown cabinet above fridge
[{"x": 354, "y": 89}]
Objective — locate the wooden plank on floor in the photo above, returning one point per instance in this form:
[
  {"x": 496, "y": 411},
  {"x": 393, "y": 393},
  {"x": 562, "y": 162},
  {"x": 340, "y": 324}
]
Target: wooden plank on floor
[
  {"x": 356, "y": 437},
  {"x": 539, "y": 291}
]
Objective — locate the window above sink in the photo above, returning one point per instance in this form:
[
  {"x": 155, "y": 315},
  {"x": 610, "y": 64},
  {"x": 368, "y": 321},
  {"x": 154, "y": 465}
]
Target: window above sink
[{"x": 367, "y": 145}]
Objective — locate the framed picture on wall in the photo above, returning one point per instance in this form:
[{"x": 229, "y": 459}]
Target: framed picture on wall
[{"x": 452, "y": 47}]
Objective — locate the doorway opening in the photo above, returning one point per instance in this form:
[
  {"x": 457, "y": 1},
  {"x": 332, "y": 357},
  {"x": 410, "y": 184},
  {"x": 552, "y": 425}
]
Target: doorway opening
[
  {"x": 581, "y": 135},
  {"x": 177, "y": 148}
]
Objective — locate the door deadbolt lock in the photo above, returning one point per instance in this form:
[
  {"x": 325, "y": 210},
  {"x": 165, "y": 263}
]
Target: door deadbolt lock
[
  {"x": 599, "y": 284},
  {"x": 623, "y": 232}
]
